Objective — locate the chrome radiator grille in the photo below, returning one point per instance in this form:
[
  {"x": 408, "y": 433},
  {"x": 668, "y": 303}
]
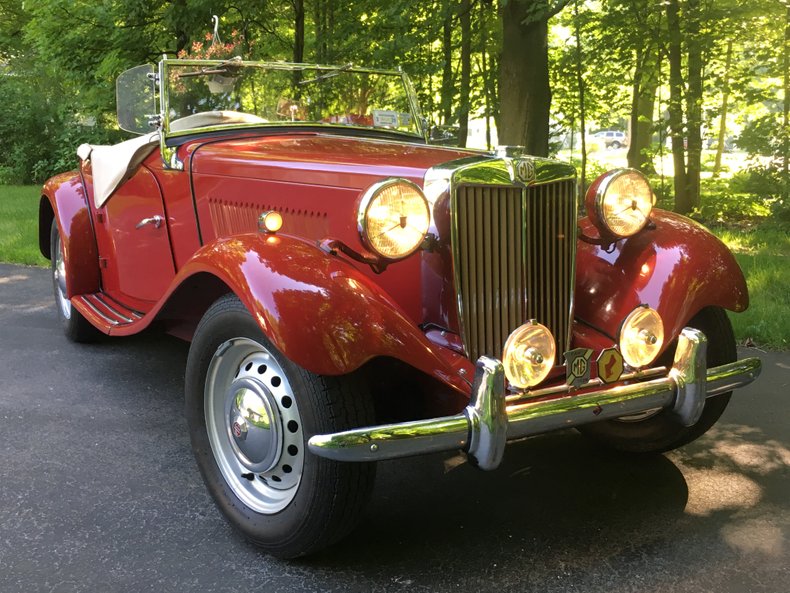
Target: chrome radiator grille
[{"x": 514, "y": 252}]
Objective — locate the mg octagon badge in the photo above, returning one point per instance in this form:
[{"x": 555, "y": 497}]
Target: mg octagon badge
[{"x": 525, "y": 170}]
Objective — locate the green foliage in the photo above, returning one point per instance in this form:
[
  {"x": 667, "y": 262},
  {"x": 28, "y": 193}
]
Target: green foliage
[
  {"x": 722, "y": 201},
  {"x": 763, "y": 253},
  {"x": 19, "y": 225}
]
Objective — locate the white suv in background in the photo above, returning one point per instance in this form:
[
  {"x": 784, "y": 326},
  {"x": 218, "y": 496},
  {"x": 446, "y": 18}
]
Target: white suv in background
[{"x": 612, "y": 138}]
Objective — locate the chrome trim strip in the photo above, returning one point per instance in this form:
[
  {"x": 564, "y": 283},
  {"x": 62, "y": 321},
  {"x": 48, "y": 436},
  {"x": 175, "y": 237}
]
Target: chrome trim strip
[
  {"x": 463, "y": 431},
  {"x": 98, "y": 312},
  {"x": 527, "y": 395}
]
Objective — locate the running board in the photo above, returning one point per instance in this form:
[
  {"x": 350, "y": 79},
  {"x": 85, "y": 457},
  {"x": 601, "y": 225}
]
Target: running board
[{"x": 104, "y": 312}]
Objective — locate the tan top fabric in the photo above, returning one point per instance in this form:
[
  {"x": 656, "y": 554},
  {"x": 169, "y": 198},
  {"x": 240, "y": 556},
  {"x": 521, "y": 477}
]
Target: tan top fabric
[
  {"x": 213, "y": 118},
  {"x": 112, "y": 165}
]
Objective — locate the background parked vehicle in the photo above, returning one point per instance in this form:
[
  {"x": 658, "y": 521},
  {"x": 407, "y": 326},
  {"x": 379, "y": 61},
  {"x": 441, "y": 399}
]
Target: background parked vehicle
[{"x": 611, "y": 138}]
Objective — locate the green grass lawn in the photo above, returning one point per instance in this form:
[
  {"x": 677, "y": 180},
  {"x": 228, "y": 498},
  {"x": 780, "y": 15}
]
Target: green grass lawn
[
  {"x": 763, "y": 253},
  {"x": 19, "y": 225},
  {"x": 764, "y": 256}
]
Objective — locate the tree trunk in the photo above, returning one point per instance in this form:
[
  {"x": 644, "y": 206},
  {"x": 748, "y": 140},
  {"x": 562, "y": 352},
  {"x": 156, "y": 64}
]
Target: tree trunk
[
  {"x": 319, "y": 30},
  {"x": 447, "y": 66},
  {"x": 524, "y": 92},
  {"x": 642, "y": 107},
  {"x": 682, "y": 204},
  {"x": 298, "y": 42},
  {"x": 694, "y": 103},
  {"x": 484, "y": 71},
  {"x": 725, "y": 98},
  {"x": 466, "y": 70},
  {"x": 580, "y": 83},
  {"x": 786, "y": 112}
]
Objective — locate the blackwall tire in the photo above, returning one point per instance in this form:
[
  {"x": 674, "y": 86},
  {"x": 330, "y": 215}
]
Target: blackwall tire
[
  {"x": 75, "y": 326},
  {"x": 250, "y": 413},
  {"x": 662, "y": 432}
]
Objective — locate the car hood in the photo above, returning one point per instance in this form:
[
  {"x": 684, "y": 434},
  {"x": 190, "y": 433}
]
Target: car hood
[{"x": 319, "y": 159}]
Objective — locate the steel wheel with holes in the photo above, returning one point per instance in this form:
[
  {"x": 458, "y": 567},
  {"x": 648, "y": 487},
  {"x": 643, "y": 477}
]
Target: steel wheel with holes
[
  {"x": 250, "y": 413},
  {"x": 658, "y": 431},
  {"x": 75, "y": 326}
]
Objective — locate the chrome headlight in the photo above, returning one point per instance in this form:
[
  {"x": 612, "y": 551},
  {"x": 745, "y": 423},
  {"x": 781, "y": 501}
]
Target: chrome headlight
[
  {"x": 529, "y": 355},
  {"x": 393, "y": 218},
  {"x": 619, "y": 202},
  {"x": 641, "y": 337}
]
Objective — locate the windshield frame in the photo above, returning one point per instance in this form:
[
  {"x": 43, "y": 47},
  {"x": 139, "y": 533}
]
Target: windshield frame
[{"x": 166, "y": 64}]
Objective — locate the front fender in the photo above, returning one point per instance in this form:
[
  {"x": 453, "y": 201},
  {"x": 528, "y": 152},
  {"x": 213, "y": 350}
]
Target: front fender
[
  {"x": 319, "y": 310},
  {"x": 65, "y": 196},
  {"x": 676, "y": 266}
]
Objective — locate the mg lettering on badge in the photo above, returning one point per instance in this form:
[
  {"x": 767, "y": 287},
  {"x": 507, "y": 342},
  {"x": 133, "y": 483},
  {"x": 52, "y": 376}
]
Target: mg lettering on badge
[
  {"x": 577, "y": 366},
  {"x": 525, "y": 170}
]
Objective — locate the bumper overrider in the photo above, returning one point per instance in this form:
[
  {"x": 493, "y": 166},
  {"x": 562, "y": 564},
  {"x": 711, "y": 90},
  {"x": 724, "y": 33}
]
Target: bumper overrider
[{"x": 492, "y": 417}]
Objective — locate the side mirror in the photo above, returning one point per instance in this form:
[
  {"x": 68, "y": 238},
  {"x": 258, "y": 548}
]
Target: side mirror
[{"x": 135, "y": 92}]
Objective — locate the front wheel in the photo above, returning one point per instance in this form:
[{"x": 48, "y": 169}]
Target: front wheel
[
  {"x": 251, "y": 412},
  {"x": 659, "y": 431}
]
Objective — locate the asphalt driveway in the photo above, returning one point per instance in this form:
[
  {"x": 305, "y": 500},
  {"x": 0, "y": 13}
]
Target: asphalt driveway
[{"x": 99, "y": 492}]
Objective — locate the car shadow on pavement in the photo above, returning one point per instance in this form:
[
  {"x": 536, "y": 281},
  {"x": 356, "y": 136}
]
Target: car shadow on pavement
[
  {"x": 559, "y": 507},
  {"x": 555, "y": 491}
]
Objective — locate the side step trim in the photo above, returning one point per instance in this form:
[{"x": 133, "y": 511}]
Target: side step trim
[{"x": 105, "y": 310}]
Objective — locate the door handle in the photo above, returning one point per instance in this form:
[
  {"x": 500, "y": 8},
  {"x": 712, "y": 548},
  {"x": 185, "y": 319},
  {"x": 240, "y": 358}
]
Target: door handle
[{"x": 154, "y": 220}]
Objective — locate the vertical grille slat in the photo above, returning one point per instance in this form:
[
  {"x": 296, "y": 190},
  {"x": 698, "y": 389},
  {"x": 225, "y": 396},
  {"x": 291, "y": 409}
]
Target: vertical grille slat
[{"x": 514, "y": 261}]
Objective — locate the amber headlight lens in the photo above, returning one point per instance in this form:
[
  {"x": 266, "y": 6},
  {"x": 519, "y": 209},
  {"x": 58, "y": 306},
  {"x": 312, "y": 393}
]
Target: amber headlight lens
[
  {"x": 622, "y": 202},
  {"x": 641, "y": 337},
  {"x": 529, "y": 355},
  {"x": 393, "y": 218}
]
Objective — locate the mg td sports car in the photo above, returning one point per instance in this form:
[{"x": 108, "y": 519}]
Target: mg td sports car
[{"x": 352, "y": 293}]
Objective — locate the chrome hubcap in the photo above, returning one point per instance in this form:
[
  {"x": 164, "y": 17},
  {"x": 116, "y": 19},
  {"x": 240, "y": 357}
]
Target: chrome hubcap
[
  {"x": 59, "y": 272},
  {"x": 253, "y": 425}
]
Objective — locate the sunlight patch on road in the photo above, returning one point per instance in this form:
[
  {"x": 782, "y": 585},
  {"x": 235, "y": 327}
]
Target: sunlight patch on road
[
  {"x": 14, "y": 278},
  {"x": 757, "y": 535},
  {"x": 712, "y": 490},
  {"x": 759, "y": 458}
]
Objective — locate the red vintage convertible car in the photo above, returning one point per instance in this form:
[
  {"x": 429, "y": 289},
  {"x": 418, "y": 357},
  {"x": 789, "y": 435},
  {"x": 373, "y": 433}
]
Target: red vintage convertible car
[{"x": 353, "y": 294}]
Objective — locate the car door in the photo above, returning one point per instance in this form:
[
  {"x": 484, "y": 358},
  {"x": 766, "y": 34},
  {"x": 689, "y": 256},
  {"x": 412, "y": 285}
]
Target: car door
[{"x": 134, "y": 245}]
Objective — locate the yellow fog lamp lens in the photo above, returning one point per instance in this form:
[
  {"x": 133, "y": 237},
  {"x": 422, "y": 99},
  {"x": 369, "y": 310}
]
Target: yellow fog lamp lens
[
  {"x": 641, "y": 337},
  {"x": 270, "y": 222},
  {"x": 620, "y": 202},
  {"x": 393, "y": 218},
  {"x": 529, "y": 355}
]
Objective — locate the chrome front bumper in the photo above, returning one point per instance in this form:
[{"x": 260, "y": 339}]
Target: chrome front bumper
[{"x": 489, "y": 421}]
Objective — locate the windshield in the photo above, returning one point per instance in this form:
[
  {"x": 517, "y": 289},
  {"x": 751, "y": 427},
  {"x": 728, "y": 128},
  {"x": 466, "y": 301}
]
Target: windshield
[{"x": 207, "y": 94}]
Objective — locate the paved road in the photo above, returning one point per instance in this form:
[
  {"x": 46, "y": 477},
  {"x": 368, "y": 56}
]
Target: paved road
[{"x": 99, "y": 492}]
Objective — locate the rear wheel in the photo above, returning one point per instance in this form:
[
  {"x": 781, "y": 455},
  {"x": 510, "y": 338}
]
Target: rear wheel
[
  {"x": 659, "y": 431},
  {"x": 75, "y": 326},
  {"x": 251, "y": 412}
]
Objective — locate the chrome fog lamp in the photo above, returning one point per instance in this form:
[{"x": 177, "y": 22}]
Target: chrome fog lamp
[
  {"x": 529, "y": 355},
  {"x": 641, "y": 337},
  {"x": 619, "y": 202},
  {"x": 393, "y": 218}
]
